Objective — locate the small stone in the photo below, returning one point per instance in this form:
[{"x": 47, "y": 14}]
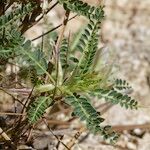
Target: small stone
[{"x": 131, "y": 146}]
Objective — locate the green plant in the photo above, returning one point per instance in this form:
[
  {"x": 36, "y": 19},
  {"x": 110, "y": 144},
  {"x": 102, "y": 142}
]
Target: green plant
[{"x": 64, "y": 77}]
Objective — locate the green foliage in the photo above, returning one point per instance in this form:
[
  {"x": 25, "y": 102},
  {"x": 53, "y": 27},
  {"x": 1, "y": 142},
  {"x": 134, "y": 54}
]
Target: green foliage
[
  {"x": 89, "y": 42},
  {"x": 85, "y": 111},
  {"x": 75, "y": 39},
  {"x": 37, "y": 108},
  {"x": 83, "y": 79},
  {"x": 82, "y": 8},
  {"x": 74, "y": 64},
  {"x": 87, "y": 45},
  {"x": 63, "y": 53},
  {"x": 11, "y": 40},
  {"x": 84, "y": 83},
  {"x": 11, "y": 44},
  {"x": 116, "y": 98},
  {"x": 35, "y": 58},
  {"x": 121, "y": 85},
  {"x": 13, "y": 16},
  {"x": 67, "y": 58}
]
